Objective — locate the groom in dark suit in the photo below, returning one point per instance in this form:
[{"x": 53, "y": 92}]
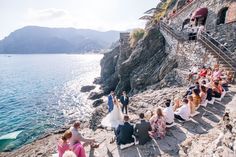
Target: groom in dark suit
[
  {"x": 141, "y": 130},
  {"x": 124, "y": 132},
  {"x": 124, "y": 99}
]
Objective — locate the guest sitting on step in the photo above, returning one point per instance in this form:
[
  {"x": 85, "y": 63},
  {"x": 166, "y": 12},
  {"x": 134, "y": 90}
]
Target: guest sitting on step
[
  {"x": 76, "y": 141},
  {"x": 209, "y": 73},
  {"x": 124, "y": 132},
  {"x": 169, "y": 113},
  {"x": 63, "y": 143},
  {"x": 216, "y": 73},
  {"x": 196, "y": 97},
  {"x": 203, "y": 94},
  {"x": 193, "y": 71},
  {"x": 183, "y": 113},
  {"x": 195, "y": 86},
  {"x": 202, "y": 73},
  {"x": 191, "y": 104},
  {"x": 216, "y": 89},
  {"x": 148, "y": 115},
  {"x": 158, "y": 124},
  {"x": 141, "y": 130}
]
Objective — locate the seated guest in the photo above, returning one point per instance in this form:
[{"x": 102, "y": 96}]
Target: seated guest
[
  {"x": 193, "y": 72},
  {"x": 169, "y": 113},
  {"x": 203, "y": 72},
  {"x": 203, "y": 94},
  {"x": 216, "y": 73},
  {"x": 124, "y": 132},
  {"x": 209, "y": 93},
  {"x": 148, "y": 115},
  {"x": 158, "y": 124},
  {"x": 196, "y": 97},
  {"x": 77, "y": 139},
  {"x": 216, "y": 89},
  {"x": 63, "y": 144},
  {"x": 191, "y": 104},
  {"x": 230, "y": 76},
  {"x": 189, "y": 91},
  {"x": 183, "y": 113},
  {"x": 209, "y": 73},
  {"x": 142, "y": 129}
]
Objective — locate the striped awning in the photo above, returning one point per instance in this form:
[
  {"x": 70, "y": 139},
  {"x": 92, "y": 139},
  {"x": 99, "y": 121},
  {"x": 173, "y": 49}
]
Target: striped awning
[{"x": 200, "y": 12}]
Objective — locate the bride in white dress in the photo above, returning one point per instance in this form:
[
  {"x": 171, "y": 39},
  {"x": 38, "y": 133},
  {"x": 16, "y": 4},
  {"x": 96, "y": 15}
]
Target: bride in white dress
[{"x": 115, "y": 117}]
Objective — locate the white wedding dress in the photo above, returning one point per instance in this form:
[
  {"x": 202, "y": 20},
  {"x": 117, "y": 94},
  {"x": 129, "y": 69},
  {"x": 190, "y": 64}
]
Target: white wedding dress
[{"x": 114, "y": 118}]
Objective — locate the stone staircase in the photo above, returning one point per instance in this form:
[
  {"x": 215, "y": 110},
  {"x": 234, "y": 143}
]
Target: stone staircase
[
  {"x": 225, "y": 58},
  {"x": 217, "y": 52}
]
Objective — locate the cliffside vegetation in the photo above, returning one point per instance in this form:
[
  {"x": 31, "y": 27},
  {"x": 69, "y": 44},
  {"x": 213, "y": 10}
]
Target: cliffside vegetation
[{"x": 135, "y": 36}]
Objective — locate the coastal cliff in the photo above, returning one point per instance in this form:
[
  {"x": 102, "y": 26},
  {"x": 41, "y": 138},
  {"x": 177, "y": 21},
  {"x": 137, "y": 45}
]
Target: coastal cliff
[
  {"x": 145, "y": 65},
  {"x": 152, "y": 71}
]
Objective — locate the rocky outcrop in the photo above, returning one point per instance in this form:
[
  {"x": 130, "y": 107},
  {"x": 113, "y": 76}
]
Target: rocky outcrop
[
  {"x": 87, "y": 88},
  {"x": 109, "y": 75},
  {"x": 95, "y": 95},
  {"x": 136, "y": 69},
  {"x": 97, "y": 102}
]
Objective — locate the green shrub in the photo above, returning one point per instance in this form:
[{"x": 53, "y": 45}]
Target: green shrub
[{"x": 135, "y": 36}]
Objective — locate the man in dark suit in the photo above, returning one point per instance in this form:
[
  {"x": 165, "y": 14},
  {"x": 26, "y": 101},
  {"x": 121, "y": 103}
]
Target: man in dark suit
[
  {"x": 124, "y": 99},
  {"x": 124, "y": 132},
  {"x": 141, "y": 130}
]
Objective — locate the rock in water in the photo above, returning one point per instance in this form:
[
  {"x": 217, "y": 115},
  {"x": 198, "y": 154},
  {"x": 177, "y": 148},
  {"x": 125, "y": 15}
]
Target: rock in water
[
  {"x": 97, "y": 103},
  {"x": 87, "y": 88},
  {"x": 95, "y": 95},
  {"x": 97, "y": 80}
]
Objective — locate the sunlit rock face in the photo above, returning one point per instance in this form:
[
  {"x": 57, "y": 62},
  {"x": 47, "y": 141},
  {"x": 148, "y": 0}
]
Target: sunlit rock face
[{"x": 135, "y": 69}]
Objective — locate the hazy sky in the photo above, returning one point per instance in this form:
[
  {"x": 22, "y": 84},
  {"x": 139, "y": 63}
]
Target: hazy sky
[{"x": 94, "y": 14}]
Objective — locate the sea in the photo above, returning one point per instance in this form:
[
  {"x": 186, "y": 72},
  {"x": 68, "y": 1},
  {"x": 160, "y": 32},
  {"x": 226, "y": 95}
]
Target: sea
[{"x": 40, "y": 93}]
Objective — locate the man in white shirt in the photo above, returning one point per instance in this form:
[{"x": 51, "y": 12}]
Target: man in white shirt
[
  {"x": 183, "y": 113},
  {"x": 169, "y": 112},
  {"x": 77, "y": 137}
]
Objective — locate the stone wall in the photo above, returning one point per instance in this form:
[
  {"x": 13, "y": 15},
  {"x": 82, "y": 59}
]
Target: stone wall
[
  {"x": 189, "y": 53},
  {"x": 214, "y": 6},
  {"x": 223, "y": 33},
  {"x": 226, "y": 35}
]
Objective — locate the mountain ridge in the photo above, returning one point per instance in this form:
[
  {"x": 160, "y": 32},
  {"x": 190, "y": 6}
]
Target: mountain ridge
[{"x": 37, "y": 39}]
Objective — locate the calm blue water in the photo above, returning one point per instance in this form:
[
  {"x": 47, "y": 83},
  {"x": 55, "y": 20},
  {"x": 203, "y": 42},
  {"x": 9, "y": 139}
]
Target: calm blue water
[{"x": 41, "y": 93}]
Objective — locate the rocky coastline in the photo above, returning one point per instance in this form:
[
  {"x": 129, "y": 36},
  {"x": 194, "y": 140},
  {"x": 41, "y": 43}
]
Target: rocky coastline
[
  {"x": 152, "y": 71},
  {"x": 205, "y": 134}
]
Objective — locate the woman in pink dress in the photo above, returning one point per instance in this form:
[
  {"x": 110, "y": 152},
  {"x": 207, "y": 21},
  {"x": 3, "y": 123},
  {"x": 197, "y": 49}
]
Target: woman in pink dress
[
  {"x": 63, "y": 144},
  {"x": 158, "y": 124},
  {"x": 78, "y": 149}
]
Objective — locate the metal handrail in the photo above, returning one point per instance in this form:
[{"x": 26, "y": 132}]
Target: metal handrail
[
  {"x": 218, "y": 43},
  {"x": 204, "y": 38},
  {"x": 171, "y": 31}
]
